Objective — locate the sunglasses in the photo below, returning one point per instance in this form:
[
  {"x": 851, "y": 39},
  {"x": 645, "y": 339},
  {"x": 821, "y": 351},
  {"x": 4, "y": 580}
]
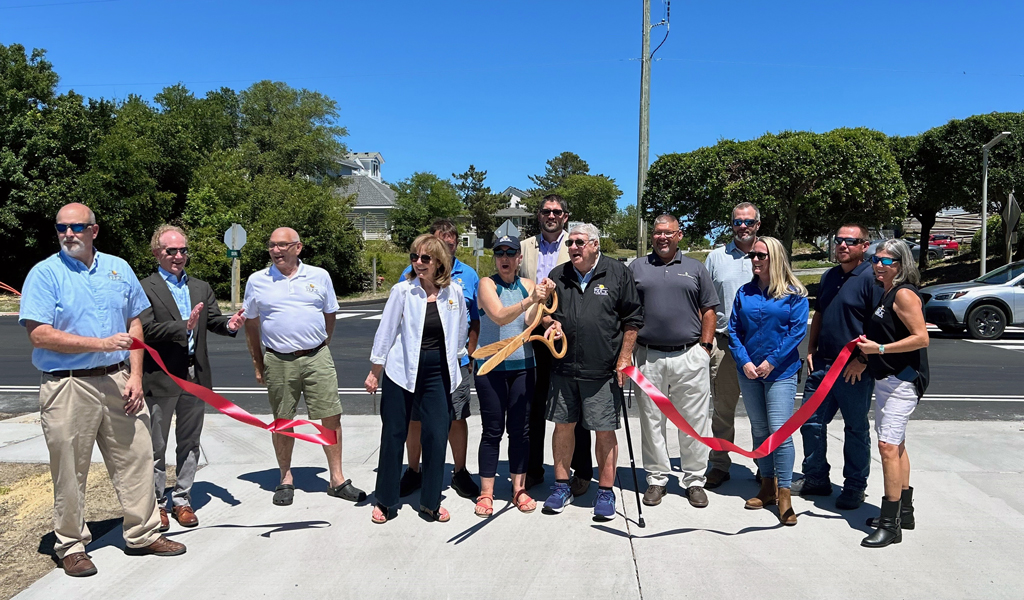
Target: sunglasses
[
  {"x": 75, "y": 227},
  {"x": 577, "y": 242},
  {"x": 509, "y": 252},
  {"x": 423, "y": 258},
  {"x": 848, "y": 241},
  {"x": 757, "y": 255},
  {"x": 747, "y": 222},
  {"x": 547, "y": 212},
  {"x": 176, "y": 251},
  {"x": 885, "y": 260}
]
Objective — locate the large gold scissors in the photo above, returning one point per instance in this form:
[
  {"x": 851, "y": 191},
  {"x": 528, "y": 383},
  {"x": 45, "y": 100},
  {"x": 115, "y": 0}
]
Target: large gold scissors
[{"x": 503, "y": 348}]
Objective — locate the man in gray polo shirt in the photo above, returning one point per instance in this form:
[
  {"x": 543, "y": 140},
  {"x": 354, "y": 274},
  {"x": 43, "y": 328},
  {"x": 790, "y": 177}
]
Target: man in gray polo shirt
[
  {"x": 673, "y": 352},
  {"x": 730, "y": 269}
]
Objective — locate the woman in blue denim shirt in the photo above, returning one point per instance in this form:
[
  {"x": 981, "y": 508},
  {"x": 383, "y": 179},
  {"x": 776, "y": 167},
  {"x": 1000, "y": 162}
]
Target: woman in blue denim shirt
[{"x": 768, "y": 322}]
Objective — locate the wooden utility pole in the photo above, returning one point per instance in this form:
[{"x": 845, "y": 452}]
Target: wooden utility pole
[{"x": 645, "y": 123}]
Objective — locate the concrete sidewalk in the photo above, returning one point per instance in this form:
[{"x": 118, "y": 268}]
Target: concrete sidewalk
[{"x": 968, "y": 544}]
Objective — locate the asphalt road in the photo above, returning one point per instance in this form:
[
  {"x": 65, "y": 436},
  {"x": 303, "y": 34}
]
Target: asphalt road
[{"x": 970, "y": 380}]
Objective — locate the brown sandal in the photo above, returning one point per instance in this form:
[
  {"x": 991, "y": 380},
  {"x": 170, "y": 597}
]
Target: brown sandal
[
  {"x": 524, "y": 506},
  {"x": 481, "y": 509}
]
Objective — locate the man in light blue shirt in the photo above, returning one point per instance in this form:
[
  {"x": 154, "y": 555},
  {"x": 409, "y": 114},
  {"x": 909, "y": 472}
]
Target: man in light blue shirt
[
  {"x": 81, "y": 310},
  {"x": 458, "y": 435}
]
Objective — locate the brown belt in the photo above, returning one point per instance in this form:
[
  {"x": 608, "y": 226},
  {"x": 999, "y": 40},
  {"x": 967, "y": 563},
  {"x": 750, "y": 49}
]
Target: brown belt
[
  {"x": 97, "y": 372},
  {"x": 300, "y": 353}
]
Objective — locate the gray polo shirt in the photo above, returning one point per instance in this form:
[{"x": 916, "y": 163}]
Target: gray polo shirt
[
  {"x": 672, "y": 295},
  {"x": 730, "y": 270}
]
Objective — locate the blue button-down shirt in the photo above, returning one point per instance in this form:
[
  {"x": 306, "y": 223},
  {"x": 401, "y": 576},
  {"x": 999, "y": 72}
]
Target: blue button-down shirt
[
  {"x": 547, "y": 255},
  {"x": 764, "y": 328},
  {"x": 179, "y": 291},
  {"x": 94, "y": 301},
  {"x": 469, "y": 281}
]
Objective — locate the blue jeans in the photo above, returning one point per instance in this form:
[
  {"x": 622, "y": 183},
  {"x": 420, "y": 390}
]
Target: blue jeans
[
  {"x": 854, "y": 400},
  {"x": 769, "y": 404}
]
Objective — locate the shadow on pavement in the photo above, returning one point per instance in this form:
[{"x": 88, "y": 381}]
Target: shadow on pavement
[
  {"x": 204, "y": 491},
  {"x": 305, "y": 479},
  {"x": 276, "y": 527},
  {"x": 98, "y": 529},
  {"x": 624, "y": 534}
]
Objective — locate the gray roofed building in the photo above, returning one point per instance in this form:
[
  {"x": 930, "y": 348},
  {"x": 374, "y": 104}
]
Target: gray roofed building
[{"x": 374, "y": 199}]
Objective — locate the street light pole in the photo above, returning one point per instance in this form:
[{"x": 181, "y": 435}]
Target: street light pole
[{"x": 984, "y": 197}]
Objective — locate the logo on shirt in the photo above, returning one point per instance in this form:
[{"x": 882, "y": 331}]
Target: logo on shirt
[
  {"x": 114, "y": 276},
  {"x": 451, "y": 305},
  {"x": 310, "y": 288},
  {"x": 880, "y": 312},
  {"x": 687, "y": 274},
  {"x": 600, "y": 290}
]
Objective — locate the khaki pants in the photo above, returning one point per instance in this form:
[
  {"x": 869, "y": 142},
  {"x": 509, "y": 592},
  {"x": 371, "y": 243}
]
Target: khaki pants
[
  {"x": 75, "y": 413},
  {"x": 725, "y": 395}
]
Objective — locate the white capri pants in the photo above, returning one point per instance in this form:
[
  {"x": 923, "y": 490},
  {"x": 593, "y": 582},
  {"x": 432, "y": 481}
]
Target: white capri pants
[{"x": 895, "y": 400}]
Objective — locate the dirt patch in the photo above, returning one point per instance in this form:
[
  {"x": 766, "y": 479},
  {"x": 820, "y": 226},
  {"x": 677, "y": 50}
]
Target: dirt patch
[{"x": 26, "y": 520}]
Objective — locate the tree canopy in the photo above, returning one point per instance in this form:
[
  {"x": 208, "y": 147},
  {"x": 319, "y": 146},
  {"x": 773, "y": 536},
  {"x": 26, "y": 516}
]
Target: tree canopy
[{"x": 419, "y": 200}]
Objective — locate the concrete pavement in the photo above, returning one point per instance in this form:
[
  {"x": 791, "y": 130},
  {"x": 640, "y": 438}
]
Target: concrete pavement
[{"x": 969, "y": 539}]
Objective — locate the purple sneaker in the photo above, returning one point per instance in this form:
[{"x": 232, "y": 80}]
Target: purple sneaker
[
  {"x": 604, "y": 505},
  {"x": 560, "y": 498}
]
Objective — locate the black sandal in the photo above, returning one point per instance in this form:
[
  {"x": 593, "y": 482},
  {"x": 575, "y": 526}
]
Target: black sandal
[
  {"x": 283, "y": 494},
  {"x": 435, "y": 515},
  {"x": 347, "y": 491}
]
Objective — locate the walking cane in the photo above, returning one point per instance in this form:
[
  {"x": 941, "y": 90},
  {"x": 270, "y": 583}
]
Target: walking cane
[{"x": 632, "y": 462}]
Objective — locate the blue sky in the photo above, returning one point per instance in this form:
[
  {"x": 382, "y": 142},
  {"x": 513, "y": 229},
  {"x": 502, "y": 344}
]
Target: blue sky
[{"x": 436, "y": 86}]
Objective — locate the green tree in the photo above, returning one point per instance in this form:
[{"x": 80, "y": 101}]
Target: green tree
[
  {"x": 419, "y": 200},
  {"x": 478, "y": 200},
  {"x": 622, "y": 227},
  {"x": 558, "y": 169},
  {"x": 591, "y": 198}
]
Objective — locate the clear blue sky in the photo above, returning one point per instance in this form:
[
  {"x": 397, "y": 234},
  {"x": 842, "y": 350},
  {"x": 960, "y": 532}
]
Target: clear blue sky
[{"x": 436, "y": 86}]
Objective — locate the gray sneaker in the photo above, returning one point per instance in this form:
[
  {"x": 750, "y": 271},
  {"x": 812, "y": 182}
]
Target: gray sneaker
[{"x": 654, "y": 494}]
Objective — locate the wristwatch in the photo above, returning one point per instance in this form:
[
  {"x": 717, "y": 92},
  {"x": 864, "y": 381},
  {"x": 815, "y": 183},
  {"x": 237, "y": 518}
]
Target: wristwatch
[
  {"x": 708, "y": 346},
  {"x": 881, "y": 349}
]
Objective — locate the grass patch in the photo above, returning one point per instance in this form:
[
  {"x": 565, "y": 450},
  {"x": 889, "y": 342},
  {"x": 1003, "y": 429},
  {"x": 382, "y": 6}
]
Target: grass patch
[
  {"x": 812, "y": 264},
  {"x": 700, "y": 255},
  {"x": 9, "y": 303}
]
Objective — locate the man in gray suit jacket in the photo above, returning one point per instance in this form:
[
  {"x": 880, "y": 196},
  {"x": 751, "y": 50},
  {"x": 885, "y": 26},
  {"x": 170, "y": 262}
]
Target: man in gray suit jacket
[{"x": 183, "y": 310}]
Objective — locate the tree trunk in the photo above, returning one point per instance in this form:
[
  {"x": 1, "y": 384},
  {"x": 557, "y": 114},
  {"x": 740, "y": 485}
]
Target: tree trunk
[
  {"x": 927, "y": 222},
  {"x": 789, "y": 230}
]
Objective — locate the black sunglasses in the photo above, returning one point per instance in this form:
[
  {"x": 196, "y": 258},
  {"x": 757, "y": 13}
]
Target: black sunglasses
[
  {"x": 747, "y": 222},
  {"x": 848, "y": 241},
  {"x": 509, "y": 252},
  {"x": 885, "y": 260},
  {"x": 757, "y": 255},
  {"x": 175, "y": 251},
  {"x": 577, "y": 242},
  {"x": 75, "y": 227},
  {"x": 423, "y": 258},
  {"x": 552, "y": 211}
]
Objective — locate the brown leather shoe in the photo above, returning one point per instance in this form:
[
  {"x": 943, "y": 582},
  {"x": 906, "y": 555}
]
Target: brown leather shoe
[
  {"x": 165, "y": 524},
  {"x": 766, "y": 496},
  {"x": 77, "y": 564},
  {"x": 161, "y": 547},
  {"x": 697, "y": 497},
  {"x": 185, "y": 516},
  {"x": 654, "y": 494}
]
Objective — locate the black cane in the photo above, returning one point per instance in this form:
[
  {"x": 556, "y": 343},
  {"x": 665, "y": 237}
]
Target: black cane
[{"x": 632, "y": 462}]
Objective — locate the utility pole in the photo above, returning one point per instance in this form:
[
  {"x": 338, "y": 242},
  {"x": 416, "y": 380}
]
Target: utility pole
[{"x": 645, "y": 119}]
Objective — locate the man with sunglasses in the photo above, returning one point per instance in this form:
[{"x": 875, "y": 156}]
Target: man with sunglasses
[
  {"x": 182, "y": 310},
  {"x": 542, "y": 253},
  {"x": 81, "y": 309},
  {"x": 290, "y": 309},
  {"x": 847, "y": 295},
  {"x": 730, "y": 269}
]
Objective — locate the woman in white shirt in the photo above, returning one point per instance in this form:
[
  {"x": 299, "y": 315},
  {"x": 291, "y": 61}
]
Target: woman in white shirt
[{"x": 417, "y": 345}]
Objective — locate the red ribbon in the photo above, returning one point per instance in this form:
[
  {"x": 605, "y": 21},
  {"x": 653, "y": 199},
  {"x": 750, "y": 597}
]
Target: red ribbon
[
  {"x": 774, "y": 440},
  {"x": 326, "y": 437}
]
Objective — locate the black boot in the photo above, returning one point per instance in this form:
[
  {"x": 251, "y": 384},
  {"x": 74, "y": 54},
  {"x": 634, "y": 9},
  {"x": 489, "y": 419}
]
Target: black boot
[
  {"x": 888, "y": 531},
  {"x": 906, "y": 511}
]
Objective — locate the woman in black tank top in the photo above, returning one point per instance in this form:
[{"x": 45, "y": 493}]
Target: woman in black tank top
[{"x": 894, "y": 340}]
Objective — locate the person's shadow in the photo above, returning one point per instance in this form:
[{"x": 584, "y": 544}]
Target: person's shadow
[
  {"x": 304, "y": 478},
  {"x": 204, "y": 491},
  {"x": 98, "y": 529}
]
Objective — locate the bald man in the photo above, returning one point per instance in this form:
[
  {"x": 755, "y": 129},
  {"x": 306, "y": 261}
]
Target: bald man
[
  {"x": 81, "y": 309},
  {"x": 290, "y": 310}
]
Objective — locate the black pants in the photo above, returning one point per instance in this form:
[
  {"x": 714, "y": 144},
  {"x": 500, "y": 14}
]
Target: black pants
[
  {"x": 505, "y": 398},
  {"x": 433, "y": 401},
  {"x": 582, "y": 462}
]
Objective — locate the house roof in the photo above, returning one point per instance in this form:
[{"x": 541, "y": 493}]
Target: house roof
[
  {"x": 380, "y": 158},
  {"x": 369, "y": 192},
  {"x": 513, "y": 212},
  {"x": 514, "y": 191}
]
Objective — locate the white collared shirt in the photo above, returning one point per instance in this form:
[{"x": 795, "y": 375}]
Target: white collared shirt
[
  {"x": 291, "y": 309},
  {"x": 399, "y": 335}
]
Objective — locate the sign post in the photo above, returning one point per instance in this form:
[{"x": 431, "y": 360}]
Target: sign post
[{"x": 234, "y": 239}]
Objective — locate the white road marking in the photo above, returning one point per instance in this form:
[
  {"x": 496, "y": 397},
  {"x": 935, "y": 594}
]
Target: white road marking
[{"x": 373, "y": 318}]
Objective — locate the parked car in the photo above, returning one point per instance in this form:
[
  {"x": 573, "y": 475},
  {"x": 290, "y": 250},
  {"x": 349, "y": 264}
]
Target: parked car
[
  {"x": 934, "y": 252},
  {"x": 984, "y": 306},
  {"x": 947, "y": 242}
]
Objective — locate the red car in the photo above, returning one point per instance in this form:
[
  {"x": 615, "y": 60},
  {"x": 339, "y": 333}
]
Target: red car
[{"x": 946, "y": 241}]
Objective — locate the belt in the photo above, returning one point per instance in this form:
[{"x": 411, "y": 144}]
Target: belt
[
  {"x": 299, "y": 353},
  {"x": 97, "y": 372},
  {"x": 671, "y": 348}
]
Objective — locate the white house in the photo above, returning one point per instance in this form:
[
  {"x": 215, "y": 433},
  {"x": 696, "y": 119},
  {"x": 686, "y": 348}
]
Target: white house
[{"x": 374, "y": 198}]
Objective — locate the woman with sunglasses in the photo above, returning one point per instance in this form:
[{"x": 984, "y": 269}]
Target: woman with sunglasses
[
  {"x": 417, "y": 345},
  {"x": 768, "y": 322},
  {"x": 507, "y": 305},
  {"x": 894, "y": 340}
]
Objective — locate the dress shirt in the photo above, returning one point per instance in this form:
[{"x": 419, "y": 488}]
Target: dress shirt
[
  {"x": 764, "y": 328},
  {"x": 182, "y": 299},
  {"x": 547, "y": 255},
  {"x": 586, "y": 277}
]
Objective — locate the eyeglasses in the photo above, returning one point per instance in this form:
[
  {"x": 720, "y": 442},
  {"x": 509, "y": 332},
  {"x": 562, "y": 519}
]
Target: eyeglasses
[
  {"x": 885, "y": 260},
  {"x": 757, "y": 255},
  {"x": 509, "y": 252},
  {"x": 423, "y": 258},
  {"x": 740, "y": 222},
  {"x": 547, "y": 212},
  {"x": 176, "y": 251},
  {"x": 75, "y": 227},
  {"x": 848, "y": 241},
  {"x": 665, "y": 233},
  {"x": 280, "y": 245},
  {"x": 576, "y": 242}
]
